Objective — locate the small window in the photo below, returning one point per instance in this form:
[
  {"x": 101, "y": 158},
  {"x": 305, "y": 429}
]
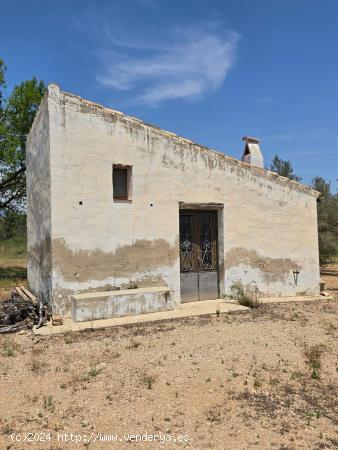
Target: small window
[{"x": 121, "y": 182}]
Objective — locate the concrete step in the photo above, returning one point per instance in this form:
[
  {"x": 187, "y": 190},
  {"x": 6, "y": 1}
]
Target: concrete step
[{"x": 126, "y": 302}]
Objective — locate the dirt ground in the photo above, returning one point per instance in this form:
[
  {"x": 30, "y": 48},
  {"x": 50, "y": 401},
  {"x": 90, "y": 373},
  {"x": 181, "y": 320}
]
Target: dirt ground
[{"x": 264, "y": 379}]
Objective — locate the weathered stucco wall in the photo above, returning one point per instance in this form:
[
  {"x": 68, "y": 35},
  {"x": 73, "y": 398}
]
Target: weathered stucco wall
[
  {"x": 39, "y": 266},
  {"x": 268, "y": 224}
]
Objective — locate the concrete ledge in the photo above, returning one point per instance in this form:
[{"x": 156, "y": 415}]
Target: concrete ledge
[
  {"x": 127, "y": 302},
  {"x": 192, "y": 309},
  {"x": 294, "y": 299},
  {"x": 303, "y": 298}
]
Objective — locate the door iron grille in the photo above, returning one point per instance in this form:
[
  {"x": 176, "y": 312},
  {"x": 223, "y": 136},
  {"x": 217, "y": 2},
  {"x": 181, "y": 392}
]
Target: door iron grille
[
  {"x": 186, "y": 243},
  {"x": 207, "y": 243},
  {"x": 198, "y": 241}
]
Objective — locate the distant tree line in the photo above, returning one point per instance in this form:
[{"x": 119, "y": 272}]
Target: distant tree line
[
  {"x": 327, "y": 209},
  {"x": 17, "y": 112}
]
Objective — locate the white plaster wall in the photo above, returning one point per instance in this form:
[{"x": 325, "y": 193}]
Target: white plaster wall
[
  {"x": 263, "y": 214},
  {"x": 39, "y": 264}
]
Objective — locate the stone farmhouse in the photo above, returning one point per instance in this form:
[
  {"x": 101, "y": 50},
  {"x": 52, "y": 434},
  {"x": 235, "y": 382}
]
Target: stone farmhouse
[{"x": 126, "y": 218}]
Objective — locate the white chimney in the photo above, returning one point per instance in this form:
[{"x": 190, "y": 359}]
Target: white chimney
[{"x": 252, "y": 153}]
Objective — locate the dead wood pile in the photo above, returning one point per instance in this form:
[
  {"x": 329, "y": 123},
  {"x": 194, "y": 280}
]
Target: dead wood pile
[{"x": 20, "y": 311}]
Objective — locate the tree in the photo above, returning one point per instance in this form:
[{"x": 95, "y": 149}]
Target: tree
[
  {"x": 327, "y": 210},
  {"x": 2, "y": 81},
  {"x": 12, "y": 226},
  {"x": 283, "y": 168},
  {"x": 17, "y": 113}
]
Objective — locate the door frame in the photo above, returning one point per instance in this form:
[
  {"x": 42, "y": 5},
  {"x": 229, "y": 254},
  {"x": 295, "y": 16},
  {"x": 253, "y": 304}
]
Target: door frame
[{"x": 219, "y": 207}]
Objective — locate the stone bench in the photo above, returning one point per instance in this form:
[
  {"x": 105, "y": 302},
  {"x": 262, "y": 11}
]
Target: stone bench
[{"x": 108, "y": 304}]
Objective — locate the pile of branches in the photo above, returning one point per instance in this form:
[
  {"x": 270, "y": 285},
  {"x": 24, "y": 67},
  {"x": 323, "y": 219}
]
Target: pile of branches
[{"x": 19, "y": 312}]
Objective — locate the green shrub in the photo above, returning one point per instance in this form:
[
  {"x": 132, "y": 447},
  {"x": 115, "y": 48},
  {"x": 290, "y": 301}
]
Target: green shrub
[{"x": 12, "y": 226}]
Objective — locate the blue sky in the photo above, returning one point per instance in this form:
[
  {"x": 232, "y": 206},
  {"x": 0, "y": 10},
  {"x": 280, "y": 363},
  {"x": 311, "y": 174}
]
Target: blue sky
[{"x": 210, "y": 71}]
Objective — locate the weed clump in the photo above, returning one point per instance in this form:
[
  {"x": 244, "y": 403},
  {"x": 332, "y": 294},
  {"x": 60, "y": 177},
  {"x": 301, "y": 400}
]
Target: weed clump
[
  {"x": 148, "y": 381},
  {"x": 133, "y": 344},
  {"x": 9, "y": 348},
  {"x": 313, "y": 355},
  {"x": 248, "y": 298},
  {"x": 48, "y": 403},
  {"x": 214, "y": 414},
  {"x": 94, "y": 371}
]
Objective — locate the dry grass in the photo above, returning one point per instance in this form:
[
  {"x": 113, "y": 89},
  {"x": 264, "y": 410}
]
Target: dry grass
[
  {"x": 13, "y": 265},
  {"x": 228, "y": 382}
]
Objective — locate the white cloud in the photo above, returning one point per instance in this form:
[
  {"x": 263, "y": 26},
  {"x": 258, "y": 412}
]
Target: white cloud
[{"x": 191, "y": 64}]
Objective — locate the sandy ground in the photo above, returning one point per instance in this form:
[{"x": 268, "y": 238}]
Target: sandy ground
[{"x": 264, "y": 379}]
